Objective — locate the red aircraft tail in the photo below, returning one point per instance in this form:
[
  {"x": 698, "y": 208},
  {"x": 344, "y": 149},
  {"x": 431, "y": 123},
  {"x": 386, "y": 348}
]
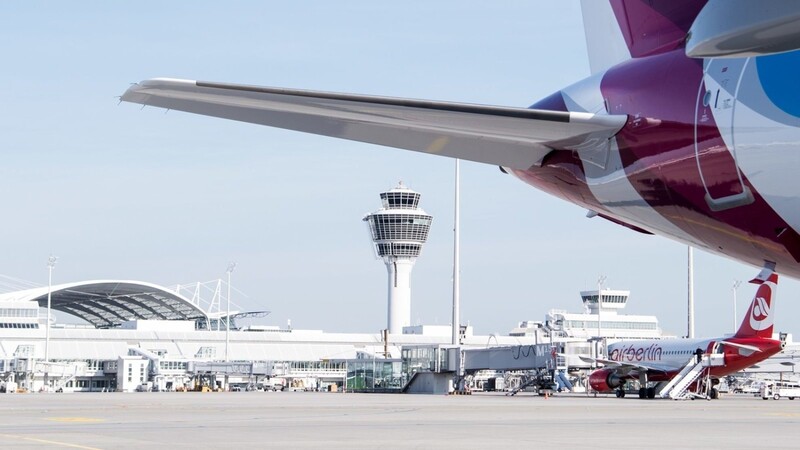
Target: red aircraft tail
[{"x": 761, "y": 314}]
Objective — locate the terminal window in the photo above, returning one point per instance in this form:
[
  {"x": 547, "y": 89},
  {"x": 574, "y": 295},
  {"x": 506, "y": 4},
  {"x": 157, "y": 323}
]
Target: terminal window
[{"x": 19, "y": 325}]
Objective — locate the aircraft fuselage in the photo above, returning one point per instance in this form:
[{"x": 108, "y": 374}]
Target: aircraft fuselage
[
  {"x": 672, "y": 355},
  {"x": 708, "y": 156}
]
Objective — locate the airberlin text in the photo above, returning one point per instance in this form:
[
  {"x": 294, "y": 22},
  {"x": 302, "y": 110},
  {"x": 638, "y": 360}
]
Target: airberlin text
[{"x": 633, "y": 353}]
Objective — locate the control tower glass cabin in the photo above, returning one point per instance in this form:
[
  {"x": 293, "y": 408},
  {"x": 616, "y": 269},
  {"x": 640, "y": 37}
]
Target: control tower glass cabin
[{"x": 398, "y": 231}]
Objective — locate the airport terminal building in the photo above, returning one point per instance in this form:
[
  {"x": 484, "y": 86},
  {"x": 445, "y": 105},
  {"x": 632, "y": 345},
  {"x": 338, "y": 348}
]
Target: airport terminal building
[{"x": 141, "y": 336}]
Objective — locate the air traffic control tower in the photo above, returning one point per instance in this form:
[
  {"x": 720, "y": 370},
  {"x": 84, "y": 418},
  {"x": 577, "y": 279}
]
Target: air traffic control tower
[{"x": 398, "y": 231}]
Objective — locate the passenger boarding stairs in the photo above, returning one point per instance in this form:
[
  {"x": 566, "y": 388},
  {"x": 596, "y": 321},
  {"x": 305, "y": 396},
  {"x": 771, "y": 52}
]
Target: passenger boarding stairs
[
  {"x": 679, "y": 386},
  {"x": 522, "y": 386}
]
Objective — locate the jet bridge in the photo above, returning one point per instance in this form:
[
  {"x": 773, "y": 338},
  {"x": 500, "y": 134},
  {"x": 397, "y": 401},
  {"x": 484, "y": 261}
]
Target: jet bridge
[
  {"x": 538, "y": 365},
  {"x": 518, "y": 357}
]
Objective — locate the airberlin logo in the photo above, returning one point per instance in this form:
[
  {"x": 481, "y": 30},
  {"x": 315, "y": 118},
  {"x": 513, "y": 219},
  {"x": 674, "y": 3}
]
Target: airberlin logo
[
  {"x": 760, "y": 314},
  {"x": 632, "y": 353}
]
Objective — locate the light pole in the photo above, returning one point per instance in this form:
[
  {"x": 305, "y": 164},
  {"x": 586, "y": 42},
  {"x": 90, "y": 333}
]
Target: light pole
[
  {"x": 736, "y": 284},
  {"x": 51, "y": 263},
  {"x": 690, "y": 293},
  {"x": 456, "y": 329},
  {"x": 600, "y": 280},
  {"x": 231, "y": 266}
]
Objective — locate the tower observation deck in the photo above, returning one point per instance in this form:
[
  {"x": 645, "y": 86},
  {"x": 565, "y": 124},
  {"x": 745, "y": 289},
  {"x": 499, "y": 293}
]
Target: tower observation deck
[{"x": 398, "y": 231}]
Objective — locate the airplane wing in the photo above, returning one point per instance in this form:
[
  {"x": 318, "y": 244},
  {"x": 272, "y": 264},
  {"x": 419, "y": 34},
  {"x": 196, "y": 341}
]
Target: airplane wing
[
  {"x": 623, "y": 368},
  {"x": 605, "y": 362},
  {"x": 517, "y": 138}
]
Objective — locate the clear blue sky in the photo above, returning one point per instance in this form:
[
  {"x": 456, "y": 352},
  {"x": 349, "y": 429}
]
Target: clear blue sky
[{"x": 119, "y": 192}]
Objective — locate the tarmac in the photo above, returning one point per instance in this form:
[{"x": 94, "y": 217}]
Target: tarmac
[{"x": 337, "y": 420}]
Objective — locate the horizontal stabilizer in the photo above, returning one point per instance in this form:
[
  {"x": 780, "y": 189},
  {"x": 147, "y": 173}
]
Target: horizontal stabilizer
[
  {"x": 517, "y": 138},
  {"x": 764, "y": 275},
  {"x": 742, "y": 28},
  {"x": 752, "y": 348}
]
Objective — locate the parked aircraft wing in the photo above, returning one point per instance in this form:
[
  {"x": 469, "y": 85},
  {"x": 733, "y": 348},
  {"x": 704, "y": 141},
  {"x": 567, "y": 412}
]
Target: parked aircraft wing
[
  {"x": 517, "y": 138},
  {"x": 605, "y": 362},
  {"x": 624, "y": 367}
]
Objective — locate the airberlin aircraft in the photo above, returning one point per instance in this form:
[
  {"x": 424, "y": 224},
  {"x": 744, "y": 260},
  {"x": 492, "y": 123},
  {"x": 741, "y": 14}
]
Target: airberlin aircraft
[
  {"x": 688, "y": 127},
  {"x": 652, "y": 361}
]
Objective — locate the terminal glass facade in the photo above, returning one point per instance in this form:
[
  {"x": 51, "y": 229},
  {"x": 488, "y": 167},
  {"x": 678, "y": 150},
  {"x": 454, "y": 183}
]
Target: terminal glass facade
[
  {"x": 297, "y": 367},
  {"x": 19, "y": 312},
  {"x": 17, "y": 315},
  {"x": 424, "y": 359},
  {"x": 375, "y": 375},
  {"x": 19, "y": 325},
  {"x": 616, "y": 325}
]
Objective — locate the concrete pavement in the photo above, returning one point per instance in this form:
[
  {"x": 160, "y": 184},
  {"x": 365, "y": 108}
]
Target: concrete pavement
[{"x": 335, "y": 420}]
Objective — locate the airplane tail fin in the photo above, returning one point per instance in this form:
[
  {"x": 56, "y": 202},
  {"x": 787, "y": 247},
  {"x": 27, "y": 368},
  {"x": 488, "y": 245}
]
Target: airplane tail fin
[
  {"x": 604, "y": 40},
  {"x": 617, "y": 30},
  {"x": 758, "y": 322}
]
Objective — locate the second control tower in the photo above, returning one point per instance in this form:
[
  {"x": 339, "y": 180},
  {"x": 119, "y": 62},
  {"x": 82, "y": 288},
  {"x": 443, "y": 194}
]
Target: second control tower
[{"x": 398, "y": 231}]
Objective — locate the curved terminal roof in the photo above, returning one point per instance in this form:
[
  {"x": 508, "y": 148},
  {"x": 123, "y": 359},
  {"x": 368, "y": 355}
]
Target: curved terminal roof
[{"x": 109, "y": 303}]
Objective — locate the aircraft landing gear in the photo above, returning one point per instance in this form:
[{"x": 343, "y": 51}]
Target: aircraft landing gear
[
  {"x": 644, "y": 391},
  {"x": 620, "y": 393},
  {"x": 713, "y": 394},
  {"x": 647, "y": 392}
]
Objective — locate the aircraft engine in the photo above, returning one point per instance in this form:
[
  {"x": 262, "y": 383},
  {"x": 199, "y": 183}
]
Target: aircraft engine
[{"x": 605, "y": 380}]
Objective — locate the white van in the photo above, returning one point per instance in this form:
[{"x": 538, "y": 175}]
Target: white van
[{"x": 780, "y": 389}]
